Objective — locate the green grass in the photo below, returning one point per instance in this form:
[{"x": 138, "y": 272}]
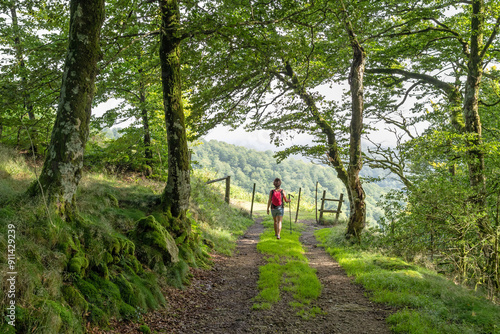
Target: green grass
[
  {"x": 428, "y": 302},
  {"x": 287, "y": 270}
]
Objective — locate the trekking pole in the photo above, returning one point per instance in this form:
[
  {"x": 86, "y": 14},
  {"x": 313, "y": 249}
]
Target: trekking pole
[{"x": 290, "y": 210}]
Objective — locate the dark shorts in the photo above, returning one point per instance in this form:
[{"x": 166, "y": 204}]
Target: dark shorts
[{"x": 279, "y": 211}]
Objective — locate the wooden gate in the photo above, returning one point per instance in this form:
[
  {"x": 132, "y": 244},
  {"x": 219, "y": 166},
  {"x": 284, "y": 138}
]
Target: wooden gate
[{"x": 339, "y": 207}]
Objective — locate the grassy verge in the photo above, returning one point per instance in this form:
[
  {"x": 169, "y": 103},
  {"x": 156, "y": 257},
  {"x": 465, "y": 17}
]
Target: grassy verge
[
  {"x": 428, "y": 302},
  {"x": 287, "y": 270}
]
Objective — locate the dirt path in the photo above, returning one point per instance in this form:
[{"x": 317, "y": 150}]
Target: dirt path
[
  {"x": 220, "y": 300},
  {"x": 344, "y": 302}
]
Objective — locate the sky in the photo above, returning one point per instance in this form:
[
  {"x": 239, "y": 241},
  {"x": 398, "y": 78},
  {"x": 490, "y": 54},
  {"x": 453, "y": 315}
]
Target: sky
[{"x": 258, "y": 140}]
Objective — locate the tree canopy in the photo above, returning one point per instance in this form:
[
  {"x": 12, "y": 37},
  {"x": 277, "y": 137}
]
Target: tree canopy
[{"x": 336, "y": 70}]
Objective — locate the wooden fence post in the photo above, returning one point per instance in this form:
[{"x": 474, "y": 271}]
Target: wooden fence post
[
  {"x": 253, "y": 196},
  {"x": 228, "y": 188},
  {"x": 322, "y": 206},
  {"x": 298, "y": 204},
  {"x": 316, "y": 201},
  {"x": 341, "y": 200}
]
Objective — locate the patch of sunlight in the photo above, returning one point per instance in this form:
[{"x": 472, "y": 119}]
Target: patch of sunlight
[{"x": 412, "y": 273}]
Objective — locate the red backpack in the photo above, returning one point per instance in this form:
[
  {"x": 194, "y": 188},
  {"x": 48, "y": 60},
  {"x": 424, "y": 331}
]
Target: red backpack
[{"x": 277, "y": 197}]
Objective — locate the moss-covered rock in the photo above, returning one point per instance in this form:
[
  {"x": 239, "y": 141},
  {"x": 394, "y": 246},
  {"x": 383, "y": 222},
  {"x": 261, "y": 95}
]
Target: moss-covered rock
[
  {"x": 144, "y": 329},
  {"x": 107, "y": 258},
  {"x": 103, "y": 270},
  {"x": 187, "y": 254},
  {"x": 97, "y": 316},
  {"x": 75, "y": 299},
  {"x": 178, "y": 274},
  {"x": 146, "y": 290},
  {"x": 128, "y": 247},
  {"x": 78, "y": 264},
  {"x": 180, "y": 239},
  {"x": 88, "y": 290},
  {"x": 127, "y": 312},
  {"x": 134, "y": 264},
  {"x": 209, "y": 243},
  {"x": 153, "y": 241},
  {"x": 57, "y": 318},
  {"x": 127, "y": 292},
  {"x": 109, "y": 293},
  {"x": 68, "y": 245},
  {"x": 112, "y": 199}
]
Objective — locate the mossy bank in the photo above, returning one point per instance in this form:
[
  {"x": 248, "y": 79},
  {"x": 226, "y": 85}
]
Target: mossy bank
[{"x": 112, "y": 261}]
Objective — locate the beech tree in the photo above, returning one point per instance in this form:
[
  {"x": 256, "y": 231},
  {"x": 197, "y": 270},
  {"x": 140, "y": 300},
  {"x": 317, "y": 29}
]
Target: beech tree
[
  {"x": 177, "y": 191},
  {"x": 62, "y": 169}
]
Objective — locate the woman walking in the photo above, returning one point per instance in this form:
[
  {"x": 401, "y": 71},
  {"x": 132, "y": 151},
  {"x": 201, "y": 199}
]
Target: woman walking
[{"x": 276, "y": 199}]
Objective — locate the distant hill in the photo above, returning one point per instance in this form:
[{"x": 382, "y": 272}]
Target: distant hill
[{"x": 248, "y": 166}]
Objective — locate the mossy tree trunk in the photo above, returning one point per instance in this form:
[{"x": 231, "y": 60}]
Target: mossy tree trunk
[
  {"x": 62, "y": 169},
  {"x": 473, "y": 130},
  {"x": 471, "y": 101},
  {"x": 177, "y": 191},
  {"x": 357, "y": 218}
]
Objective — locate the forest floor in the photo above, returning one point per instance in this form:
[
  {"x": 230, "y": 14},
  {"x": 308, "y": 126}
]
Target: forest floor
[{"x": 220, "y": 300}]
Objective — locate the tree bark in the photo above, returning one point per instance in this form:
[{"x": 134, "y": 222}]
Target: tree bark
[
  {"x": 177, "y": 191},
  {"x": 62, "y": 169},
  {"x": 357, "y": 219},
  {"x": 471, "y": 101}
]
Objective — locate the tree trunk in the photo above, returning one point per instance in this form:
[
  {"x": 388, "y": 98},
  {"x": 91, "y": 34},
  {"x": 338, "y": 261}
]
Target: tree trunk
[
  {"x": 28, "y": 105},
  {"x": 177, "y": 191},
  {"x": 62, "y": 169},
  {"x": 471, "y": 102},
  {"x": 333, "y": 149},
  {"x": 148, "y": 154},
  {"x": 357, "y": 219}
]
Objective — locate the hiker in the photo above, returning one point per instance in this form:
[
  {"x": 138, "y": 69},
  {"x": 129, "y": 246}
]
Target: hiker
[{"x": 276, "y": 198}]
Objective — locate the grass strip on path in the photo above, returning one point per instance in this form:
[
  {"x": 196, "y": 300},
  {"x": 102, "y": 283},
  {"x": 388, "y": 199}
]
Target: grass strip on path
[
  {"x": 428, "y": 302},
  {"x": 287, "y": 269}
]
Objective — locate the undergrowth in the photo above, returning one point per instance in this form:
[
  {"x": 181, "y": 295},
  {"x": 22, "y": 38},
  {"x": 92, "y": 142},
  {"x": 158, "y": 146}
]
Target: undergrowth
[
  {"x": 427, "y": 302},
  {"x": 109, "y": 263},
  {"x": 287, "y": 269}
]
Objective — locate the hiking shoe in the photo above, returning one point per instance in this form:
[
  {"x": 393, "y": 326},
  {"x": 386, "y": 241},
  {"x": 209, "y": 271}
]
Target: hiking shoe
[{"x": 278, "y": 237}]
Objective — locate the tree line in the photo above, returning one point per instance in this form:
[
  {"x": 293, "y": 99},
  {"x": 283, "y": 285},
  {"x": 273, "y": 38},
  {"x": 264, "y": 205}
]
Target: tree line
[{"x": 408, "y": 65}]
